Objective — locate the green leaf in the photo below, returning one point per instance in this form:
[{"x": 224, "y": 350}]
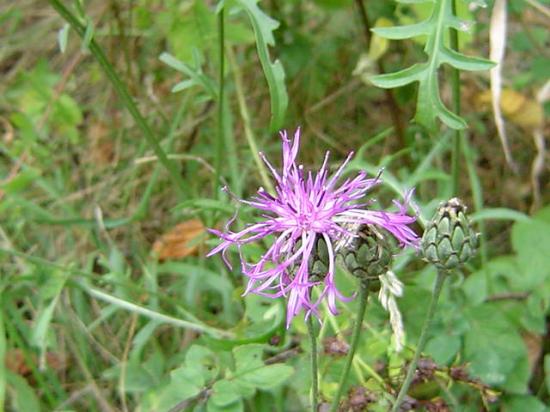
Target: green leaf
[
  {"x": 250, "y": 374},
  {"x": 492, "y": 346},
  {"x": 400, "y": 78},
  {"x": 499, "y": 213},
  {"x": 200, "y": 367},
  {"x": 443, "y": 348},
  {"x": 237, "y": 406},
  {"x": 463, "y": 62},
  {"x": 429, "y": 104},
  {"x": 88, "y": 35},
  {"x": 225, "y": 392},
  {"x": 197, "y": 77},
  {"x": 251, "y": 369},
  {"x": 23, "y": 397},
  {"x": 63, "y": 37},
  {"x": 274, "y": 72},
  {"x": 522, "y": 403},
  {"x": 530, "y": 240},
  {"x": 547, "y": 371},
  {"x": 403, "y": 32}
]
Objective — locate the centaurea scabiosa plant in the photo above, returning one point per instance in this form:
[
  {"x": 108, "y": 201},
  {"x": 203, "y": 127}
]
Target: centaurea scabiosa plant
[
  {"x": 307, "y": 216},
  {"x": 305, "y": 208}
]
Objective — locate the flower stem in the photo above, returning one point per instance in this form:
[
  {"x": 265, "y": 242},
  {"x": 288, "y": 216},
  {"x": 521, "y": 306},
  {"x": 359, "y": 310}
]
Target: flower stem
[
  {"x": 458, "y": 134},
  {"x": 314, "y": 378},
  {"x": 363, "y": 296},
  {"x": 441, "y": 275}
]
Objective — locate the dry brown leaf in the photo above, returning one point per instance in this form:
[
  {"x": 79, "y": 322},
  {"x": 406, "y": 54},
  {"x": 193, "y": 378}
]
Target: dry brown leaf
[
  {"x": 522, "y": 111},
  {"x": 15, "y": 361},
  {"x": 181, "y": 241},
  {"x": 533, "y": 343},
  {"x": 6, "y": 130},
  {"x": 102, "y": 148}
]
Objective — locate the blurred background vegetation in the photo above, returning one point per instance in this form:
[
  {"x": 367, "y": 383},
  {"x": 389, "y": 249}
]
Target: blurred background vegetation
[{"x": 107, "y": 301}]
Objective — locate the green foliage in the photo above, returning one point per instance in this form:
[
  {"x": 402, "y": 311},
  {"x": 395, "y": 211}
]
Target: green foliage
[
  {"x": 92, "y": 320},
  {"x": 274, "y": 72},
  {"x": 225, "y": 388},
  {"x": 429, "y": 104}
]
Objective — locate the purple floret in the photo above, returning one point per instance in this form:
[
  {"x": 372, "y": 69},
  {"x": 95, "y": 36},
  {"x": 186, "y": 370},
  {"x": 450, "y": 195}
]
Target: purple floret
[{"x": 305, "y": 207}]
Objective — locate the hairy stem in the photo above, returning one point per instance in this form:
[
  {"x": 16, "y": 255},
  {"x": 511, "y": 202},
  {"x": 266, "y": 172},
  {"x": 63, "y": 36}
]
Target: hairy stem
[
  {"x": 458, "y": 134},
  {"x": 314, "y": 373},
  {"x": 441, "y": 275},
  {"x": 363, "y": 296},
  {"x": 123, "y": 94}
]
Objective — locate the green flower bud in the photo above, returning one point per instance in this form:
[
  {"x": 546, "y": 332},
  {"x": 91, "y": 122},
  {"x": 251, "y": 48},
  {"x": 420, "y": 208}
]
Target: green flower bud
[
  {"x": 319, "y": 260},
  {"x": 367, "y": 255},
  {"x": 449, "y": 240}
]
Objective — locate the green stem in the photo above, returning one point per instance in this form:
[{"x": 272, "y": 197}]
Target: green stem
[
  {"x": 219, "y": 143},
  {"x": 314, "y": 373},
  {"x": 123, "y": 93},
  {"x": 363, "y": 296},
  {"x": 249, "y": 134},
  {"x": 458, "y": 134},
  {"x": 441, "y": 275}
]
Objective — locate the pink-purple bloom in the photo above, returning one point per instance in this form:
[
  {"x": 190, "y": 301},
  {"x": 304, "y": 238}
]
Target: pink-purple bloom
[{"x": 307, "y": 206}]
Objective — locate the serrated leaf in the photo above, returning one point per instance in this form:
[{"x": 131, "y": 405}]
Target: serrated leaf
[
  {"x": 264, "y": 26},
  {"x": 429, "y": 104}
]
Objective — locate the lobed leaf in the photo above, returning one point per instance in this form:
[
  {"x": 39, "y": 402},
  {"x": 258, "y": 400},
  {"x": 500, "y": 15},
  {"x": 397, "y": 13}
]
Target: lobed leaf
[{"x": 429, "y": 104}]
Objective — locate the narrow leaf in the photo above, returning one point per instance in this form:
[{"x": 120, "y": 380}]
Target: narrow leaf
[
  {"x": 88, "y": 35},
  {"x": 63, "y": 37},
  {"x": 500, "y": 213},
  {"x": 275, "y": 75},
  {"x": 463, "y": 62},
  {"x": 400, "y": 78},
  {"x": 403, "y": 32}
]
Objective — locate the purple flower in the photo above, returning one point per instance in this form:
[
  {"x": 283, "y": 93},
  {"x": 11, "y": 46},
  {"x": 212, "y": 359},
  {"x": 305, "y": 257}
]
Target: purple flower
[{"x": 307, "y": 207}]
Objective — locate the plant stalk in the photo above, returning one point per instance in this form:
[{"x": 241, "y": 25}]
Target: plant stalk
[
  {"x": 458, "y": 134},
  {"x": 220, "y": 140},
  {"x": 363, "y": 297},
  {"x": 123, "y": 93},
  {"x": 441, "y": 275},
  {"x": 314, "y": 372}
]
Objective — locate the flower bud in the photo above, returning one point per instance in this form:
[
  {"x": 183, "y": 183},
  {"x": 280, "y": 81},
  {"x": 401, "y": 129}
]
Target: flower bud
[
  {"x": 449, "y": 240},
  {"x": 319, "y": 260},
  {"x": 367, "y": 255}
]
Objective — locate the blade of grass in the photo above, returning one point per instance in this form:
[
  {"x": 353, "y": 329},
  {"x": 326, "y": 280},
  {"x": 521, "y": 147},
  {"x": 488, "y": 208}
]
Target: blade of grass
[
  {"x": 124, "y": 95},
  {"x": 82, "y": 284},
  {"x": 2, "y": 356}
]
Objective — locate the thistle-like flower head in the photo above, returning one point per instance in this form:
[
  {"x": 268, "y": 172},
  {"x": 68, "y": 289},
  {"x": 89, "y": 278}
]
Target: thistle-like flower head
[{"x": 308, "y": 212}]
